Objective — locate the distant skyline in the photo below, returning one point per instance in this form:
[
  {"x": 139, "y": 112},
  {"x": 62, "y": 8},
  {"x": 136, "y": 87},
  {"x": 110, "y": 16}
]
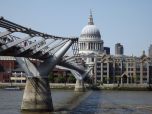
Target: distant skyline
[{"x": 128, "y": 22}]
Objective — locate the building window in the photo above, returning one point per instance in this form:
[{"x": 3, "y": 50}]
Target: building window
[
  {"x": 129, "y": 69},
  {"x": 92, "y": 59}
]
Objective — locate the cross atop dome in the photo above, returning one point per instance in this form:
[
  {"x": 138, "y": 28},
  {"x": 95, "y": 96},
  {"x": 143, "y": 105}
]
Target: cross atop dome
[{"x": 90, "y": 19}]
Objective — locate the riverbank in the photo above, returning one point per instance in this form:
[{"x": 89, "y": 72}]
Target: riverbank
[
  {"x": 52, "y": 85},
  {"x": 71, "y": 86},
  {"x": 127, "y": 87}
]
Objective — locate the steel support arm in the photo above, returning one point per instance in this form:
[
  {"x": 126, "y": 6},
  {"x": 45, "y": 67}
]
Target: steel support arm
[
  {"x": 63, "y": 50},
  {"x": 72, "y": 71},
  {"x": 28, "y": 67},
  {"x": 77, "y": 68},
  {"x": 79, "y": 75},
  {"x": 72, "y": 66},
  {"x": 76, "y": 73},
  {"x": 49, "y": 63}
]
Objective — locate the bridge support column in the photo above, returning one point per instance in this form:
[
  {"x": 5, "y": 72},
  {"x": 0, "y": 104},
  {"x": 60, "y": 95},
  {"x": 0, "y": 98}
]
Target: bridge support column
[
  {"x": 79, "y": 86},
  {"x": 37, "y": 95}
]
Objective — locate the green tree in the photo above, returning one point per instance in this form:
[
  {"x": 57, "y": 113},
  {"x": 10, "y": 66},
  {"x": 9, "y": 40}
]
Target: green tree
[
  {"x": 61, "y": 79},
  {"x": 51, "y": 78},
  {"x": 71, "y": 79}
]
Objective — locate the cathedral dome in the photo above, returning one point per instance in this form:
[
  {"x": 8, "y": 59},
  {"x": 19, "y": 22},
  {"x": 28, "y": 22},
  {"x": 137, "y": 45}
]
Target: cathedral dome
[{"x": 90, "y": 31}]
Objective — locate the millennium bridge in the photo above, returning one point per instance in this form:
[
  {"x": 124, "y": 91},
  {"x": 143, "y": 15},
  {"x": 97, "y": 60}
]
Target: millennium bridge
[{"x": 50, "y": 51}]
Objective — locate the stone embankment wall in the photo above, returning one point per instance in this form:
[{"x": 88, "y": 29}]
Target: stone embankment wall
[
  {"x": 100, "y": 87},
  {"x": 125, "y": 86},
  {"x": 52, "y": 85}
]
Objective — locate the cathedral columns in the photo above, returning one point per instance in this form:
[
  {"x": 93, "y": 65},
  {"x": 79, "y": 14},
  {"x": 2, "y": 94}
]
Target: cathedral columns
[
  {"x": 91, "y": 45},
  {"x": 83, "y": 46},
  {"x": 87, "y": 46},
  {"x": 95, "y": 46}
]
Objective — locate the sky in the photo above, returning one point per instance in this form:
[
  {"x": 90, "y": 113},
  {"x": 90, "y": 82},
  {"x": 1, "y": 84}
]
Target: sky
[{"x": 128, "y": 22}]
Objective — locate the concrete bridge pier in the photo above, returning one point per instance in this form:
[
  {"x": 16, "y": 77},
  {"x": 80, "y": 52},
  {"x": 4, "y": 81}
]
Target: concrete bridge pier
[
  {"x": 37, "y": 95},
  {"x": 79, "y": 86}
]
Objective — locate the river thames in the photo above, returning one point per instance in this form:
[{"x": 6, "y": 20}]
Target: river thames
[{"x": 90, "y": 102}]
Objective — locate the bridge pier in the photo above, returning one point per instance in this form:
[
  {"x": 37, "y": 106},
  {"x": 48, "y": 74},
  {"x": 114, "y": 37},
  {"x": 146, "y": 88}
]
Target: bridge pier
[
  {"x": 79, "y": 86},
  {"x": 37, "y": 95}
]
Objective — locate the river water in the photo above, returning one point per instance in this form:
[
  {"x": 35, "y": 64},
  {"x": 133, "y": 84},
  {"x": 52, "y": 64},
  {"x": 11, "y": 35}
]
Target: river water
[{"x": 91, "y": 102}]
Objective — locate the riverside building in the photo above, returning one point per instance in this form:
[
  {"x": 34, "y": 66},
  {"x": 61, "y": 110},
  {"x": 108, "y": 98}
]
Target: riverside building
[{"x": 107, "y": 68}]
